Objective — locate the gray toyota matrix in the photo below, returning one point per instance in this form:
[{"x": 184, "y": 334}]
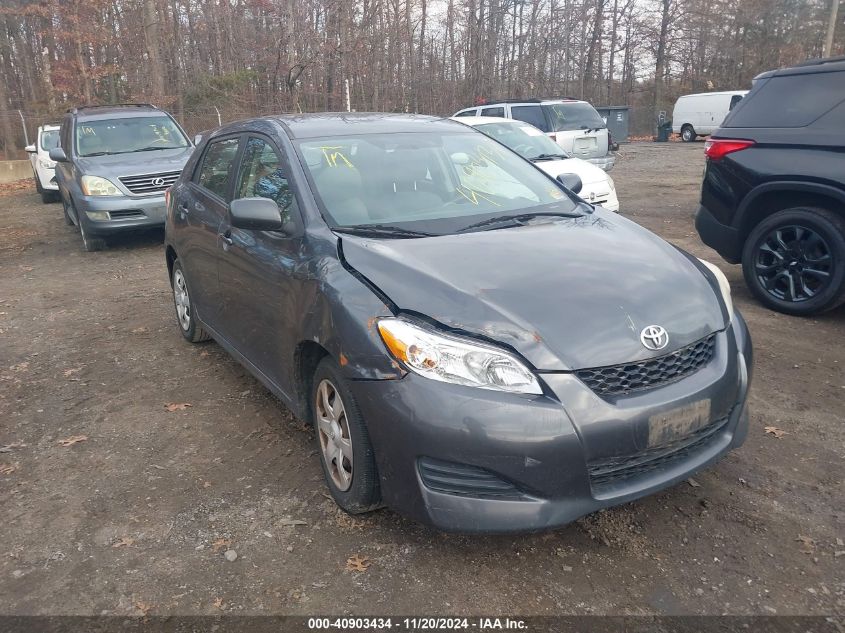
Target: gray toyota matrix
[{"x": 475, "y": 346}]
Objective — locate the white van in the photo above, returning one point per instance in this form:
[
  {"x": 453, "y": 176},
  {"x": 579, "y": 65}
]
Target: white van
[
  {"x": 700, "y": 114},
  {"x": 44, "y": 169}
]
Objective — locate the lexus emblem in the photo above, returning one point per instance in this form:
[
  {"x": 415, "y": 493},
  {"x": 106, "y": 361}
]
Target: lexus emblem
[
  {"x": 654, "y": 337},
  {"x": 158, "y": 182}
]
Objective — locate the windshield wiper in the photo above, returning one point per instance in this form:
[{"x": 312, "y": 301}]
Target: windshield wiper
[
  {"x": 550, "y": 156},
  {"x": 96, "y": 154},
  {"x": 152, "y": 148},
  {"x": 517, "y": 220},
  {"x": 381, "y": 230}
]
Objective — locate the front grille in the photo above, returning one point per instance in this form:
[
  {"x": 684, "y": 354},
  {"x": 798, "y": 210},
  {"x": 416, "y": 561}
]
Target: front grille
[
  {"x": 126, "y": 213},
  {"x": 655, "y": 372},
  {"x": 612, "y": 471},
  {"x": 150, "y": 183},
  {"x": 465, "y": 480}
]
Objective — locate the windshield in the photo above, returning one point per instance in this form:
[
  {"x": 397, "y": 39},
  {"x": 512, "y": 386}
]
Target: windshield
[
  {"x": 573, "y": 116},
  {"x": 429, "y": 182},
  {"x": 49, "y": 139},
  {"x": 121, "y": 136},
  {"x": 524, "y": 139}
]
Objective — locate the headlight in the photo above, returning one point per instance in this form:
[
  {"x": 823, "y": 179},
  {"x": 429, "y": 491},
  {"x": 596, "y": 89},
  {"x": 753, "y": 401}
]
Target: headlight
[
  {"x": 455, "y": 359},
  {"x": 46, "y": 164},
  {"x": 611, "y": 183},
  {"x": 724, "y": 286},
  {"x": 96, "y": 186}
]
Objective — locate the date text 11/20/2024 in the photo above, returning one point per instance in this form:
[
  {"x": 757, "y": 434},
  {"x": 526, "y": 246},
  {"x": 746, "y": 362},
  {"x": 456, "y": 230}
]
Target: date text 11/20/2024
[{"x": 417, "y": 624}]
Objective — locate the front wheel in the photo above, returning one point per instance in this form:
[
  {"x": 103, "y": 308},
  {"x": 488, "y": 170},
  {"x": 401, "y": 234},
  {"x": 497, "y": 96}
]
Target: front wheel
[
  {"x": 688, "y": 134},
  {"x": 794, "y": 261},
  {"x": 92, "y": 244},
  {"x": 68, "y": 219},
  {"x": 343, "y": 441}
]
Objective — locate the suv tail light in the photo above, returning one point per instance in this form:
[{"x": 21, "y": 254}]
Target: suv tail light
[{"x": 717, "y": 148}]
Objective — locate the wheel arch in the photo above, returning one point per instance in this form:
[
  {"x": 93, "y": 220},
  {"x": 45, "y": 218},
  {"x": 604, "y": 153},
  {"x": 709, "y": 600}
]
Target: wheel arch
[
  {"x": 170, "y": 257},
  {"x": 770, "y": 198}
]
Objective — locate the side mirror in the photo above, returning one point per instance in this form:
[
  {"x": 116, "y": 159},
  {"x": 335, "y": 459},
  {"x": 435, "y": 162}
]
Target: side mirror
[
  {"x": 30, "y": 149},
  {"x": 256, "y": 214},
  {"x": 58, "y": 155},
  {"x": 571, "y": 182}
]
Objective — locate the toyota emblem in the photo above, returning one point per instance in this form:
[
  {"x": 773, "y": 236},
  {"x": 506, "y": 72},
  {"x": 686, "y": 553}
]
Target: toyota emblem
[
  {"x": 654, "y": 337},
  {"x": 158, "y": 182}
]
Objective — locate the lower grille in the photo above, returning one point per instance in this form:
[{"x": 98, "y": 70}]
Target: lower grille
[
  {"x": 465, "y": 480},
  {"x": 126, "y": 213},
  {"x": 150, "y": 183},
  {"x": 648, "y": 374},
  {"x": 605, "y": 473}
]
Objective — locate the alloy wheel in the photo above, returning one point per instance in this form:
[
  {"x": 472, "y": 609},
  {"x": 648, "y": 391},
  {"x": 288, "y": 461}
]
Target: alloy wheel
[
  {"x": 182, "y": 300},
  {"x": 333, "y": 430},
  {"x": 793, "y": 263}
]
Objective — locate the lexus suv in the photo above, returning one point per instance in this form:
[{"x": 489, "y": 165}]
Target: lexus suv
[
  {"x": 113, "y": 164},
  {"x": 474, "y": 345},
  {"x": 773, "y": 196}
]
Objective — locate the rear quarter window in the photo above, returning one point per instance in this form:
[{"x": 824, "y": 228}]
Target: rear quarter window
[
  {"x": 531, "y": 114},
  {"x": 789, "y": 101}
]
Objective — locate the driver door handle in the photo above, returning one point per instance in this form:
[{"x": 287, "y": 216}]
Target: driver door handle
[{"x": 227, "y": 239}]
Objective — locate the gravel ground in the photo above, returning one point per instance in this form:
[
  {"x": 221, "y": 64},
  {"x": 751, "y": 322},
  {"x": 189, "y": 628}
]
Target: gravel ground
[{"x": 219, "y": 507}]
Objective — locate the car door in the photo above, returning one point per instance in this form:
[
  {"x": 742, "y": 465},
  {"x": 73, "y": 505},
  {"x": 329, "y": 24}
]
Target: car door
[
  {"x": 258, "y": 269},
  {"x": 202, "y": 211}
]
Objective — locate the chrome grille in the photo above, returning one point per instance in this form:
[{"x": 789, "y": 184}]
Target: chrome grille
[
  {"x": 655, "y": 372},
  {"x": 149, "y": 183}
]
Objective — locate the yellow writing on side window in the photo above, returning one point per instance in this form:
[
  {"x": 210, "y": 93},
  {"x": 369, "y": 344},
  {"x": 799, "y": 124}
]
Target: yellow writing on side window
[{"x": 333, "y": 156}]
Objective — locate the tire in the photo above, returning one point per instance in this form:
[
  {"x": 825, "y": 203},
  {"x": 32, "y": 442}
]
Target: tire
[
  {"x": 359, "y": 491},
  {"x": 68, "y": 219},
  {"x": 48, "y": 196},
  {"x": 794, "y": 261},
  {"x": 688, "y": 134},
  {"x": 188, "y": 325},
  {"x": 92, "y": 244}
]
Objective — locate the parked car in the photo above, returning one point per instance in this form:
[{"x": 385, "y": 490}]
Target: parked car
[
  {"x": 701, "y": 114},
  {"x": 773, "y": 195},
  {"x": 114, "y": 163},
  {"x": 43, "y": 167},
  {"x": 474, "y": 345},
  {"x": 593, "y": 184},
  {"x": 574, "y": 125}
]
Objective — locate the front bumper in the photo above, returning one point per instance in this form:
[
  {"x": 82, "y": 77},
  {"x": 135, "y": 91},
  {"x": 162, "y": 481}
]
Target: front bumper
[
  {"x": 540, "y": 449},
  {"x": 125, "y": 213}
]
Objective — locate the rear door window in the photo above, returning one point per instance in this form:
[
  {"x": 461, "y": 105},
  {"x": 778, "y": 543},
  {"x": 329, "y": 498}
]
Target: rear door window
[
  {"x": 790, "y": 101},
  {"x": 498, "y": 112},
  {"x": 217, "y": 166},
  {"x": 532, "y": 114}
]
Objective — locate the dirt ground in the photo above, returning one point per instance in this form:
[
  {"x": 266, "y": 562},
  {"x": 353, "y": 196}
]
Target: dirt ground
[{"x": 137, "y": 517}]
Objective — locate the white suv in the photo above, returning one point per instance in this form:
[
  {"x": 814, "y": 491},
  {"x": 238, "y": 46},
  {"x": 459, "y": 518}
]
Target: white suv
[
  {"x": 572, "y": 124},
  {"x": 43, "y": 168}
]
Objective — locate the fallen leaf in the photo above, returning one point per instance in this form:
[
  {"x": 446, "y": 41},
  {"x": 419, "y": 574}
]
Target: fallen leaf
[
  {"x": 809, "y": 544},
  {"x": 72, "y": 371},
  {"x": 9, "y": 447},
  {"x": 140, "y": 330},
  {"x": 692, "y": 482},
  {"x": 124, "y": 541},
  {"x": 73, "y": 439},
  {"x": 218, "y": 602},
  {"x": 289, "y": 521},
  {"x": 204, "y": 353},
  {"x": 206, "y": 484},
  {"x": 177, "y": 406},
  {"x": 143, "y": 607},
  {"x": 778, "y": 433},
  {"x": 357, "y": 563},
  {"x": 8, "y": 469},
  {"x": 221, "y": 543}
]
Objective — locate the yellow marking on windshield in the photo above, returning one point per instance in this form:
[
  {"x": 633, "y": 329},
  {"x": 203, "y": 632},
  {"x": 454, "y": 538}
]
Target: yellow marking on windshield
[
  {"x": 333, "y": 157},
  {"x": 475, "y": 195}
]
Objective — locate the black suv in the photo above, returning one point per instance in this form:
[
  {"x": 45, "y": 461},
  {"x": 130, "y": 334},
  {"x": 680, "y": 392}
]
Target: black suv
[{"x": 773, "y": 195}]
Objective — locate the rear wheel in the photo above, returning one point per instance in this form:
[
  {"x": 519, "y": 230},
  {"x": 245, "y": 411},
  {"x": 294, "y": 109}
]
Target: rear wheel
[
  {"x": 794, "y": 261},
  {"x": 188, "y": 325},
  {"x": 346, "y": 454},
  {"x": 688, "y": 134}
]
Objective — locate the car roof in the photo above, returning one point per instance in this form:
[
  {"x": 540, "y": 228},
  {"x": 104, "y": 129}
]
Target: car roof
[
  {"x": 719, "y": 92},
  {"x": 118, "y": 111},
  {"x": 812, "y": 66},
  {"x": 548, "y": 101},
  {"x": 49, "y": 127},
  {"x": 481, "y": 120},
  {"x": 315, "y": 125}
]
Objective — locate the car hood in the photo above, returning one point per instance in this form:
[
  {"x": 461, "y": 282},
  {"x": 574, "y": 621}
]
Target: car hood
[
  {"x": 566, "y": 294},
  {"x": 587, "y": 172},
  {"x": 136, "y": 163}
]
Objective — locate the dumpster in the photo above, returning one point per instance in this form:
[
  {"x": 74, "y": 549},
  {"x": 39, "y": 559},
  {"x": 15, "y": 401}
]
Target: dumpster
[
  {"x": 618, "y": 120},
  {"x": 664, "y": 130}
]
